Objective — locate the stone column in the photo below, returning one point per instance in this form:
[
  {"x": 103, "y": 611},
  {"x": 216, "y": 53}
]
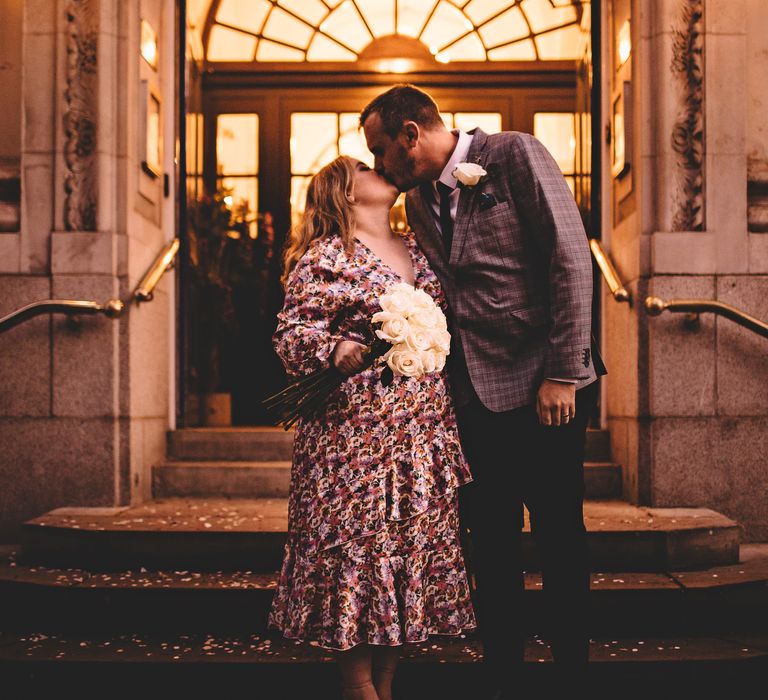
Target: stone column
[
  {"x": 694, "y": 430},
  {"x": 84, "y": 410}
]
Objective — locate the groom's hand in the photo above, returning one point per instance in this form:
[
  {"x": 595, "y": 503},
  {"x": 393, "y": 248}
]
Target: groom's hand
[
  {"x": 556, "y": 402},
  {"x": 349, "y": 357}
]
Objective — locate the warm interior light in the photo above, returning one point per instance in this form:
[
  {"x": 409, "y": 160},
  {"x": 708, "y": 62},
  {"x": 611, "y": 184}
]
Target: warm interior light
[
  {"x": 625, "y": 43},
  {"x": 442, "y": 57},
  {"x": 148, "y": 43},
  {"x": 228, "y": 200},
  {"x": 394, "y": 65}
]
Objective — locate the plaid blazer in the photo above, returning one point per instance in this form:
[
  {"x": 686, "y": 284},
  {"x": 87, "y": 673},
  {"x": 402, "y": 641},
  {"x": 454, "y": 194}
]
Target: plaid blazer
[{"x": 519, "y": 277}]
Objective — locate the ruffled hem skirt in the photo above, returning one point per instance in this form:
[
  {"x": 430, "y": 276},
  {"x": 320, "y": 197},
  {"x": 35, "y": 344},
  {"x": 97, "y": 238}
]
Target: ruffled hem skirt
[{"x": 399, "y": 585}]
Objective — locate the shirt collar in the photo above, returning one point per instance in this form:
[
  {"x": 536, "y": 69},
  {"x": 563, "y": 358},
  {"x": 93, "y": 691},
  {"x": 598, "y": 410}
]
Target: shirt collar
[{"x": 459, "y": 155}]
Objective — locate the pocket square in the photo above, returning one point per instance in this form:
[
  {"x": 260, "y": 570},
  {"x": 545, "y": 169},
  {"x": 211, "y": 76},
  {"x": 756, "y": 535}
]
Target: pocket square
[{"x": 487, "y": 201}]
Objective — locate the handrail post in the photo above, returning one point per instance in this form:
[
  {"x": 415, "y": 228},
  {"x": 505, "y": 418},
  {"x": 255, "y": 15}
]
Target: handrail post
[
  {"x": 162, "y": 263},
  {"x": 618, "y": 290}
]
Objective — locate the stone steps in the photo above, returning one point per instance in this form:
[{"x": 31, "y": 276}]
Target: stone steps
[
  {"x": 228, "y": 479},
  {"x": 445, "y": 668},
  {"x": 714, "y": 600},
  {"x": 254, "y": 462},
  {"x": 253, "y": 444},
  {"x": 270, "y": 479},
  {"x": 249, "y": 534}
]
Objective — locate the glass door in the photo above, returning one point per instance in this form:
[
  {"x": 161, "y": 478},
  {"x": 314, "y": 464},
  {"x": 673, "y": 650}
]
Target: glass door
[{"x": 263, "y": 147}]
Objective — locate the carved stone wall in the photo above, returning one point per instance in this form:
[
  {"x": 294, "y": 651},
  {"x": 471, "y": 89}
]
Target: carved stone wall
[
  {"x": 688, "y": 132},
  {"x": 80, "y": 109}
]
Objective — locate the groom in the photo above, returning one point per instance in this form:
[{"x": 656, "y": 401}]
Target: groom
[{"x": 495, "y": 218}]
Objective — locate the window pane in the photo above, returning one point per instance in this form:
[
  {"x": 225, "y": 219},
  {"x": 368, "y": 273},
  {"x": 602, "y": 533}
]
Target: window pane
[
  {"x": 324, "y": 49},
  {"x": 247, "y": 14},
  {"x": 505, "y": 28},
  {"x": 346, "y": 25},
  {"x": 411, "y": 15},
  {"x": 298, "y": 198},
  {"x": 543, "y": 16},
  {"x": 470, "y": 48},
  {"x": 481, "y": 10},
  {"x": 519, "y": 51},
  {"x": 447, "y": 24},
  {"x": 244, "y": 190},
  {"x": 286, "y": 28},
  {"x": 270, "y": 51},
  {"x": 475, "y": 26},
  {"x": 447, "y": 118},
  {"x": 314, "y": 138},
  {"x": 489, "y": 122},
  {"x": 311, "y": 10},
  {"x": 352, "y": 140},
  {"x": 228, "y": 45},
  {"x": 237, "y": 144},
  {"x": 557, "y": 131},
  {"x": 559, "y": 44},
  {"x": 380, "y": 15}
]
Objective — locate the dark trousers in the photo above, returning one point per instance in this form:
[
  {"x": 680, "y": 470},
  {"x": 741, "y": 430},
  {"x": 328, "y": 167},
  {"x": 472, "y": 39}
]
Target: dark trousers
[{"x": 514, "y": 461}]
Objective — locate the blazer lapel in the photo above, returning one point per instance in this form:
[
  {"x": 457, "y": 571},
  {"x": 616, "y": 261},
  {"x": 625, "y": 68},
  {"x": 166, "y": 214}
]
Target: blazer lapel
[{"x": 477, "y": 154}]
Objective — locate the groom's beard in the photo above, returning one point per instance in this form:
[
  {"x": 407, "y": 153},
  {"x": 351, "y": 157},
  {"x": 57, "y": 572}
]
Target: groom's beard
[{"x": 404, "y": 179}]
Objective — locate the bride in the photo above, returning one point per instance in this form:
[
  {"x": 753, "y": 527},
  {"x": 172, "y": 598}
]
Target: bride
[{"x": 373, "y": 558}]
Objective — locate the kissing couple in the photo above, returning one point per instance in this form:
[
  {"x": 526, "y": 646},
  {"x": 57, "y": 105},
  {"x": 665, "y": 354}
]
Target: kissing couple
[{"x": 387, "y": 474}]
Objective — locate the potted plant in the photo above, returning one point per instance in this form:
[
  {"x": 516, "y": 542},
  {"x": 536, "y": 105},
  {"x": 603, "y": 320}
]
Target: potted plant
[{"x": 229, "y": 248}]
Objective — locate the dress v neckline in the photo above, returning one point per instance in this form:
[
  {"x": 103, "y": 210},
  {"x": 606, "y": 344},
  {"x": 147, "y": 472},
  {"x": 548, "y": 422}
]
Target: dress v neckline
[{"x": 381, "y": 262}]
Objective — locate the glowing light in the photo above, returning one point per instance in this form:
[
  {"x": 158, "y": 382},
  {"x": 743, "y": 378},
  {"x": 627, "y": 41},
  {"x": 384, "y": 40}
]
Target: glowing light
[
  {"x": 228, "y": 200},
  {"x": 148, "y": 43},
  {"x": 394, "y": 65},
  {"x": 443, "y": 57},
  {"x": 624, "y": 43}
]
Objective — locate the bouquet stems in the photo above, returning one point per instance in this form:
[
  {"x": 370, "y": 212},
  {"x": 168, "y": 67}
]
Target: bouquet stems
[{"x": 302, "y": 398}]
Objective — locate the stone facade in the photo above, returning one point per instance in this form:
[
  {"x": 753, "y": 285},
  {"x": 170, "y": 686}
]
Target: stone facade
[
  {"x": 84, "y": 407},
  {"x": 686, "y": 407}
]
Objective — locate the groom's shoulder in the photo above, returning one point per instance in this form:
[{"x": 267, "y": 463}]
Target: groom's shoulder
[{"x": 512, "y": 141}]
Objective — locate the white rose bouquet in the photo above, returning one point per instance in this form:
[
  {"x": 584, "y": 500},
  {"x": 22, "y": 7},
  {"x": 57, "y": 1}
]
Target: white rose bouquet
[
  {"x": 413, "y": 340},
  {"x": 416, "y": 329}
]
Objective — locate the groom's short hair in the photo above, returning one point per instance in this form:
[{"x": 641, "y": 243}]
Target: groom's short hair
[{"x": 400, "y": 104}]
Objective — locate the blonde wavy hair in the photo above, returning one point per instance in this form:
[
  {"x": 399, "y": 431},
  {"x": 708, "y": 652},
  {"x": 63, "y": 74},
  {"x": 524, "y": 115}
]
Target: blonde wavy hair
[{"x": 327, "y": 211}]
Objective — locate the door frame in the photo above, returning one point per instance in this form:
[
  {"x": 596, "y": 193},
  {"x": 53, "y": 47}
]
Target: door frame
[{"x": 517, "y": 105}]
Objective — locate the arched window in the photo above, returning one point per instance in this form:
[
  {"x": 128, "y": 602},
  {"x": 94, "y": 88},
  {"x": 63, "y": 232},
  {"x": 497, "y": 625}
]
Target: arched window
[{"x": 351, "y": 30}]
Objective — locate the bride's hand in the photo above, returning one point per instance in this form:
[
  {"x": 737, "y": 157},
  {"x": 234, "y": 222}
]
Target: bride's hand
[{"x": 349, "y": 357}]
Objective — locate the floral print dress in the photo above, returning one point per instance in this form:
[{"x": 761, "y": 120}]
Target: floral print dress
[{"x": 373, "y": 552}]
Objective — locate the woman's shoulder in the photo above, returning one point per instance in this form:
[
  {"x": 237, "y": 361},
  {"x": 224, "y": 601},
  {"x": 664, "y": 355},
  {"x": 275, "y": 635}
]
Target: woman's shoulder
[{"x": 322, "y": 257}]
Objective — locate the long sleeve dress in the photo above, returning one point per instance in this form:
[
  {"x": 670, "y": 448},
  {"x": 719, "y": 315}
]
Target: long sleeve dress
[{"x": 373, "y": 552}]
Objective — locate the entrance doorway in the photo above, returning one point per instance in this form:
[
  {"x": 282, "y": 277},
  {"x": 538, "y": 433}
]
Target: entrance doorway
[{"x": 270, "y": 123}]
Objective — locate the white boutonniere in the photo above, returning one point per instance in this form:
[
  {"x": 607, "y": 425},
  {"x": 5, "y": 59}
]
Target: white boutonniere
[{"x": 469, "y": 174}]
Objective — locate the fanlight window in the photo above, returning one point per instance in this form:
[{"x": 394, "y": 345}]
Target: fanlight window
[{"x": 340, "y": 30}]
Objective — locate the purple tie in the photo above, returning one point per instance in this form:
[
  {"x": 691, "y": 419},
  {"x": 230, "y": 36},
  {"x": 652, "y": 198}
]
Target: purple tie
[{"x": 446, "y": 222}]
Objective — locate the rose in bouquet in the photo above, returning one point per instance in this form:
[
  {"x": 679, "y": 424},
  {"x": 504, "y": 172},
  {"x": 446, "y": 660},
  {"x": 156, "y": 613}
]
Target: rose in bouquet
[{"x": 412, "y": 340}]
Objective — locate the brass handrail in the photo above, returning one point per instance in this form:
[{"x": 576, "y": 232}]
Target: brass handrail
[
  {"x": 111, "y": 309},
  {"x": 656, "y": 306},
  {"x": 619, "y": 291},
  {"x": 162, "y": 263}
]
